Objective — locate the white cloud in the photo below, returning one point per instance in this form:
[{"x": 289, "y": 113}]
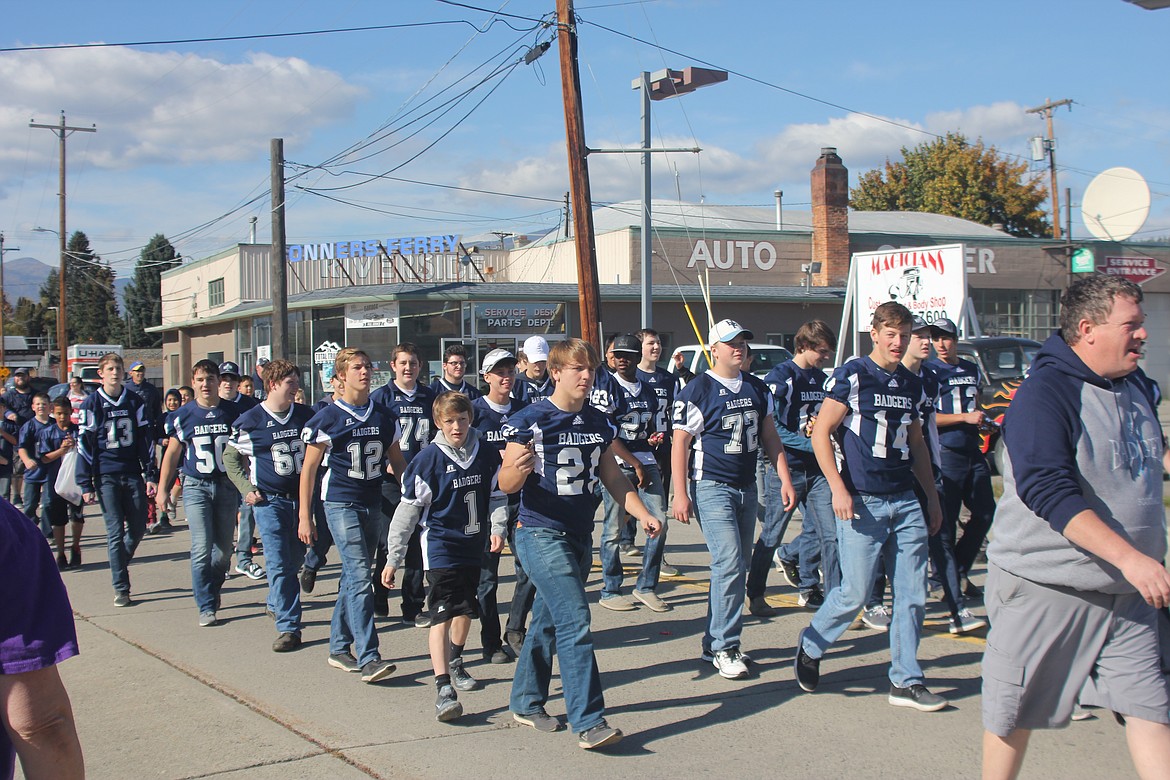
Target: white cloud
[{"x": 165, "y": 107}]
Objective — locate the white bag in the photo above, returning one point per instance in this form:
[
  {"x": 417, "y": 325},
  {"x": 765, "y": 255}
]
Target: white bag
[{"x": 66, "y": 485}]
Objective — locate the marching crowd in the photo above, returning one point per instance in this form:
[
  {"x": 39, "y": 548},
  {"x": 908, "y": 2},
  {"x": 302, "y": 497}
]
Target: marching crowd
[{"x": 420, "y": 487}]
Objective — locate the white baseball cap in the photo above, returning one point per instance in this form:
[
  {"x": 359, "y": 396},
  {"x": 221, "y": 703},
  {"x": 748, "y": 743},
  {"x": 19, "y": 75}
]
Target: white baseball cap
[
  {"x": 726, "y": 330},
  {"x": 535, "y": 349},
  {"x": 494, "y": 358}
]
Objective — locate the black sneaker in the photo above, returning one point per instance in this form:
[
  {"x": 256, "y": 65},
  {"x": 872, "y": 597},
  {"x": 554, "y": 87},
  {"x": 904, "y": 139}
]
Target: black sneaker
[
  {"x": 308, "y": 578},
  {"x": 515, "y": 641},
  {"x": 344, "y": 661},
  {"x": 381, "y": 605},
  {"x": 422, "y": 620},
  {"x": 376, "y": 670},
  {"x": 539, "y": 720},
  {"x": 916, "y": 697},
  {"x": 447, "y": 706},
  {"x": 286, "y": 643},
  {"x": 789, "y": 569},
  {"x": 600, "y": 735},
  {"x": 808, "y": 669},
  {"x": 497, "y": 656},
  {"x": 972, "y": 591},
  {"x": 811, "y": 599},
  {"x": 460, "y": 678}
]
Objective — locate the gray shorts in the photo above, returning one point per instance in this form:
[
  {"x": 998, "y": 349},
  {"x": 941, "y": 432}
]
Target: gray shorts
[{"x": 1046, "y": 642}]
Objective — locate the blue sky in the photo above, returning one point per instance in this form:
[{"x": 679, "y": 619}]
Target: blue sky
[{"x": 183, "y": 129}]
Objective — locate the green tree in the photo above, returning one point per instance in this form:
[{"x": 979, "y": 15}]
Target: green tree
[
  {"x": 143, "y": 295},
  {"x": 955, "y": 177},
  {"x": 91, "y": 302},
  {"x": 28, "y": 319}
]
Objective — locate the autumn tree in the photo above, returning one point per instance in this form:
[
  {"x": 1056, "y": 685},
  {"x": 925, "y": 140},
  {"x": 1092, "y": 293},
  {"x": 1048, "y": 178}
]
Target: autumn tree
[
  {"x": 958, "y": 178},
  {"x": 144, "y": 293}
]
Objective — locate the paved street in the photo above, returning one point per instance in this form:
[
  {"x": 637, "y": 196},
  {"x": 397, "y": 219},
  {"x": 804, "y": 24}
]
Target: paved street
[{"x": 157, "y": 696}]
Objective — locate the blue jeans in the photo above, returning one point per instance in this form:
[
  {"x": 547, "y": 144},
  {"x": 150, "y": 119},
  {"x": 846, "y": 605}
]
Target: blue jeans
[
  {"x": 33, "y": 498},
  {"x": 890, "y": 527},
  {"x": 614, "y": 526},
  {"x": 355, "y": 533},
  {"x": 727, "y": 518},
  {"x": 122, "y": 498},
  {"x": 816, "y": 503},
  {"x": 211, "y": 506},
  {"x": 558, "y": 565},
  {"x": 524, "y": 594},
  {"x": 245, "y": 534},
  {"x": 277, "y": 521}
]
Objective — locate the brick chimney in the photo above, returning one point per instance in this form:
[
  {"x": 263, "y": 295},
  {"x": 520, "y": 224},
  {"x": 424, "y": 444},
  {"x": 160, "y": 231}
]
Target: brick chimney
[{"x": 830, "y": 219}]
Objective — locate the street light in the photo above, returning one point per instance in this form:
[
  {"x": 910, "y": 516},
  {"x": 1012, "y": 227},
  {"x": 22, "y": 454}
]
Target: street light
[
  {"x": 660, "y": 85},
  {"x": 62, "y": 370}
]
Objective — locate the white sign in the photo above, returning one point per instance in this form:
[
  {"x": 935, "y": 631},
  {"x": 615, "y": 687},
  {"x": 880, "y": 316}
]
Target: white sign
[
  {"x": 930, "y": 281},
  {"x": 383, "y": 314},
  {"x": 326, "y": 353},
  {"x": 725, "y": 255},
  {"x": 264, "y": 352}
]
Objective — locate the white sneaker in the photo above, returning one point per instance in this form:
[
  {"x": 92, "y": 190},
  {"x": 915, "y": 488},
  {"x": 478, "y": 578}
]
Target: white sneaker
[
  {"x": 966, "y": 622},
  {"x": 730, "y": 664},
  {"x": 878, "y": 618}
]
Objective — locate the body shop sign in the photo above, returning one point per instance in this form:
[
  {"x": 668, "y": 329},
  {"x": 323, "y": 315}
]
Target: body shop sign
[{"x": 929, "y": 281}]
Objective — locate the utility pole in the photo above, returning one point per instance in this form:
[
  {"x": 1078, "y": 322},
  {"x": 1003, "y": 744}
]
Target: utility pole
[
  {"x": 278, "y": 285},
  {"x": 589, "y": 294},
  {"x": 3, "y": 249},
  {"x": 1050, "y": 146},
  {"x": 62, "y": 130}
]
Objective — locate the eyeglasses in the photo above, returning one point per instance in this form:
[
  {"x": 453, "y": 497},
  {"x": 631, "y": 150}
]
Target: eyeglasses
[{"x": 457, "y": 362}]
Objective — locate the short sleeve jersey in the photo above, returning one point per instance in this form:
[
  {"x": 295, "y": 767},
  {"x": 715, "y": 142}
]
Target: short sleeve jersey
[
  {"x": 635, "y": 416},
  {"x": 49, "y": 439},
  {"x": 723, "y": 416},
  {"x": 559, "y": 493},
  {"x": 116, "y": 435},
  {"x": 245, "y": 402},
  {"x": 881, "y": 407},
  {"x": 441, "y": 385},
  {"x": 530, "y": 391},
  {"x": 27, "y": 441},
  {"x": 490, "y": 419},
  {"x": 797, "y": 393},
  {"x": 413, "y": 412},
  {"x": 204, "y": 433},
  {"x": 926, "y": 411},
  {"x": 273, "y": 445},
  {"x": 356, "y": 441},
  {"x": 453, "y": 495},
  {"x": 663, "y": 383},
  {"x": 958, "y": 393}
]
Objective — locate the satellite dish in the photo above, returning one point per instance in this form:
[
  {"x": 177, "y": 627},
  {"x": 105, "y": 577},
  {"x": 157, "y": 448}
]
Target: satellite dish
[{"x": 1115, "y": 204}]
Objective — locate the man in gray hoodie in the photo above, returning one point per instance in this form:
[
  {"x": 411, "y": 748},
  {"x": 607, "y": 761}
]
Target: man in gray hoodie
[{"x": 1075, "y": 569}]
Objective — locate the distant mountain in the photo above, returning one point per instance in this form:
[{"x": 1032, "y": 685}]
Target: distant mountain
[{"x": 24, "y": 276}]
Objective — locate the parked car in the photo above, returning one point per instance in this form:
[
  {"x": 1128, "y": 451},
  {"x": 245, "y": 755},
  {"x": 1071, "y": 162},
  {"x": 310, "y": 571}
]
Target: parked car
[
  {"x": 764, "y": 358},
  {"x": 1003, "y": 363}
]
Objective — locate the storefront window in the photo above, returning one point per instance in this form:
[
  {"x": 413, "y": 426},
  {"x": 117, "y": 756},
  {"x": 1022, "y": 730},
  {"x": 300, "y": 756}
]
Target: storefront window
[
  {"x": 426, "y": 324},
  {"x": 327, "y": 331},
  {"x": 1030, "y": 314}
]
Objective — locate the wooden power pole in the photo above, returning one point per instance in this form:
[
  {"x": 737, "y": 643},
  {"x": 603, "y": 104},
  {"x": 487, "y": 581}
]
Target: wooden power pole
[
  {"x": 1050, "y": 146},
  {"x": 589, "y": 294},
  {"x": 278, "y": 281}
]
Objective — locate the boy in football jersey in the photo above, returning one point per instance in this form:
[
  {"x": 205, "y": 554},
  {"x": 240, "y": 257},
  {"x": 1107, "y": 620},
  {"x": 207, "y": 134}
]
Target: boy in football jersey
[
  {"x": 721, "y": 418},
  {"x": 353, "y": 439},
  {"x": 454, "y": 369},
  {"x": 664, "y": 384},
  {"x": 797, "y": 388},
  {"x": 34, "y": 473},
  {"x": 446, "y": 492},
  {"x": 229, "y": 390},
  {"x": 966, "y": 475},
  {"x": 317, "y": 552},
  {"x": 635, "y": 416},
  {"x": 874, "y": 401},
  {"x": 263, "y": 459},
  {"x": 490, "y": 413},
  {"x": 557, "y": 449},
  {"x": 534, "y": 382},
  {"x": 199, "y": 431},
  {"x": 411, "y": 403},
  {"x": 52, "y": 443}
]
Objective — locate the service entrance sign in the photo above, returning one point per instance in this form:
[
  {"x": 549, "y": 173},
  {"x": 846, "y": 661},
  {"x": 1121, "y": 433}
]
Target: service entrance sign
[
  {"x": 929, "y": 281},
  {"x": 1136, "y": 269}
]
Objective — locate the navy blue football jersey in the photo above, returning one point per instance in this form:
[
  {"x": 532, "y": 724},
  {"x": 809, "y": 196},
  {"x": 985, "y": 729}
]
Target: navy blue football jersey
[
  {"x": 273, "y": 445},
  {"x": 926, "y": 411},
  {"x": 49, "y": 439},
  {"x": 875, "y": 444},
  {"x": 958, "y": 393},
  {"x": 441, "y": 385},
  {"x": 204, "y": 433},
  {"x": 453, "y": 495},
  {"x": 797, "y": 393},
  {"x": 636, "y": 415},
  {"x": 245, "y": 402},
  {"x": 606, "y": 395},
  {"x": 724, "y": 416},
  {"x": 27, "y": 441},
  {"x": 7, "y": 448},
  {"x": 664, "y": 384},
  {"x": 116, "y": 436},
  {"x": 559, "y": 493},
  {"x": 490, "y": 418},
  {"x": 356, "y": 444},
  {"x": 414, "y": 414},
  {"x": 530, "y": 391}
]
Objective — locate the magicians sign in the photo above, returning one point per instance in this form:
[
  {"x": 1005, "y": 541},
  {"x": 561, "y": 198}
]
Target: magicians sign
[{"x": 930, "y": 281}]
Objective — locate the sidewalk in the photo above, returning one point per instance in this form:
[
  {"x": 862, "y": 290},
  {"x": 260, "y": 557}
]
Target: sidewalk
[{"x": 156, "y": 696}]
